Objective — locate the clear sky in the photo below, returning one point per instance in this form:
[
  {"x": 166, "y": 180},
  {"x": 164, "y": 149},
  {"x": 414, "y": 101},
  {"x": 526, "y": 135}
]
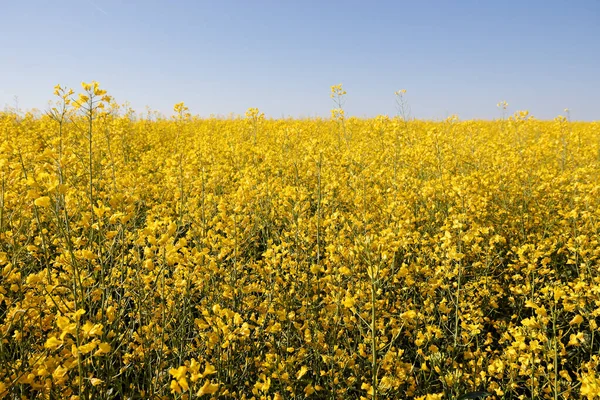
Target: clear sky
[{"x": 453, "y": 57}]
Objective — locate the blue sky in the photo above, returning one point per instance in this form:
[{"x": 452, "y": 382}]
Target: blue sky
[{"x": 453, "y": 57}]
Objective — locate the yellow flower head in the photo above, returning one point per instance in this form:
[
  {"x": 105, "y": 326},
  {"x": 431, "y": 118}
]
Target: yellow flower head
[
  {"x": 43, "y": 201},
  {"x": 503, "y": 105},
  {"x": 337, "y": 113},
  {"x": 208, "y": 388},
  {"x": 254, "y": 113},
  {"x": 337, "y": 91}
]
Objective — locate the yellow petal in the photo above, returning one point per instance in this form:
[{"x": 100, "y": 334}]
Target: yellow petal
[
  {"x": 349, "y": 302},
  {"x": 208, "y": 388},
  {"x": 103, "y": 348},
  {"x": 209, "y": 370},
  {"x": 86, "y": 348},
  {"x": 53, "y": 343},
  {"x": 302, "y": 372},
  {"x": 43, "y": 201},
  {"x": 95, "y": 381},
  {"x": 178, "y": 373},
  {"x": 578, "y": 319}
]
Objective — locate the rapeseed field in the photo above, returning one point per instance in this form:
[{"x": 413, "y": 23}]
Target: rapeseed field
[{"x": 150, "y": 257}]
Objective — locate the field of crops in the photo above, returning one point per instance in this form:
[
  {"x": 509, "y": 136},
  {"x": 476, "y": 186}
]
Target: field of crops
[{"x": 333, "y": 258}]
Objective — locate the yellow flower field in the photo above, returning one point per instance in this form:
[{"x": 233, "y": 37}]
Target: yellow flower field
[{"x": 339, "y": 258}]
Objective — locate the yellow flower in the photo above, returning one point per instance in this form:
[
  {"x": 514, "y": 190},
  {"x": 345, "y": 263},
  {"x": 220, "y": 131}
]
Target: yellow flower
[
  {"x": 409, "y": 315},
  {"x": 578, "y": 319},
  {"x": 368, "y": 387},
  {"x": 96, "y": 381},
  {"x": 184, "y": 384},
  {"x": 66, "y": 326},
  {"x": 174, "y": 386},
  {"x": 263, "y": 384},
  {"x": 91, "y": 329},
  {"x": 303, "y": 370},
  {"x": 59, "y": 372},
  {"x": 88, "y": 254},
  {"x": 97, "y": 90},
  {"x": 345, "y": 271},
  {"x": 111, "y": 313},
  {"x": 337, "y": 91},
  {"x": 576, "y": 339},
  {"x": 178, "y": 373},
  {"x": 530, "y": 323},
  {"x": 337, "y": 113},
  {"x": 349, "y": 302},
  {"x": 209, "y": 370},
  {"x": 208, "y": 388},
  {"x": 103, "y": 348},
  {"x": 82, "y": 99},
  {"x": 86, "y": 348},
  {"x": 53, "y": 343},
  {"x": 43, "y": 201},
  {"x": 308, "y": 390},
  {"x": 590, "y": 385}
]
